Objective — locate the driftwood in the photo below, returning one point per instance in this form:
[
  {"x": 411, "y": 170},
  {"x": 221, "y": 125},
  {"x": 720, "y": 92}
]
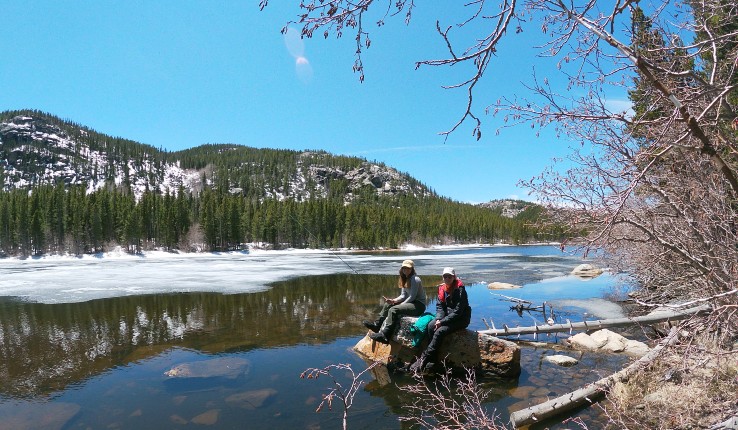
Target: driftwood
[
  {"x": 514, "y": 299},
  {"x": 523, "y": 305},
  {"x": 596, "y": 324},
  {"x": 729, "y": 424},
  {"x": 589, "y": 393}
]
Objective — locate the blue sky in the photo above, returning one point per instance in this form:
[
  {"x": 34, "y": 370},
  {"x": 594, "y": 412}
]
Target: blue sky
[{"x": 178, "y": 74}]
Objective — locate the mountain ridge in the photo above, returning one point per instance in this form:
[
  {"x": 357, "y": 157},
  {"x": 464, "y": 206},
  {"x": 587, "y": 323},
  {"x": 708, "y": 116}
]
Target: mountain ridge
[{"x": 39, "y": 148}]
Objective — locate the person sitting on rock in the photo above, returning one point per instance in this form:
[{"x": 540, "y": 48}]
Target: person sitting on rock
[
  {"x": 452, "y": 313},
  {"x": 410, "y": 302}
]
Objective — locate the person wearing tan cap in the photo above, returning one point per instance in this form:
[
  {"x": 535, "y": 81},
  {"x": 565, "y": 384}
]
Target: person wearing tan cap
[{"x": 410, "y": 302}]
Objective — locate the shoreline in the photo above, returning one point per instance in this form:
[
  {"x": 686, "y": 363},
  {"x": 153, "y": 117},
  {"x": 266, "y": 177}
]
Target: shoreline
[
  {"x": 65, "y": 279},
  {"x": 253, "y": 249}
]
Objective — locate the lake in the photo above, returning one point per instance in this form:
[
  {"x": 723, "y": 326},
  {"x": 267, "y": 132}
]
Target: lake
[{"x": 97, "y": 342}]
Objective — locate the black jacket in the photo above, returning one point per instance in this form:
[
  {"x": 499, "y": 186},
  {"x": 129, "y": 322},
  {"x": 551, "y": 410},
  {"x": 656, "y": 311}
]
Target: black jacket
[{"x": 453, "y": 309}]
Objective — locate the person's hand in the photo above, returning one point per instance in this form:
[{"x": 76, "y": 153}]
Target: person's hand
[{"x": 438, "y": 324}]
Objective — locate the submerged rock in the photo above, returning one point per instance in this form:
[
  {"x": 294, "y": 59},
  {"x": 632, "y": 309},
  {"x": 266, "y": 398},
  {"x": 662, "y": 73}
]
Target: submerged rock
[
  {"x": 176, "y": 419},
  {"x": 51, "y": 416},
  {"x": 461, "y": 349},
  {"x": 251, "y": 399},
  {"x": 221, "y": 367},
  {"x": 595, "y": 306},
  {"x": 207, "y": 418}
]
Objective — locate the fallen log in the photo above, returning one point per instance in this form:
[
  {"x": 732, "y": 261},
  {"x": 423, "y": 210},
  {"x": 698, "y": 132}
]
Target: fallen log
[
  {"x": 588, "y": 394},
  {"x": 597, "y": 324},
  {"x": 729, "y": 424}
]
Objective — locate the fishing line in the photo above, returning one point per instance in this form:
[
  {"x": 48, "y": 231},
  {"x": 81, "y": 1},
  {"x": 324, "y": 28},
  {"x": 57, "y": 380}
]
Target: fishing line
[{"x": 317, "y": 240}]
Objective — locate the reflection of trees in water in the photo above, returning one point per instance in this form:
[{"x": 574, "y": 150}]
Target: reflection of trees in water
[{"x": 44, "y": 347}]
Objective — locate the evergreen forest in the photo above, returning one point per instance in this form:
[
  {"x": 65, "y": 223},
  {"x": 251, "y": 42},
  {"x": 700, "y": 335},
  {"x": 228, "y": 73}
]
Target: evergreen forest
[{"x": 59, "y": 219}]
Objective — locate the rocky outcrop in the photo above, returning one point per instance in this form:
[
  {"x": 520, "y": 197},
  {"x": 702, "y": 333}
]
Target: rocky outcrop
[
  {"x": 385, "y": 180},
  {"x": 507, "y": 207},
  {"x": 462, "y": 349}
]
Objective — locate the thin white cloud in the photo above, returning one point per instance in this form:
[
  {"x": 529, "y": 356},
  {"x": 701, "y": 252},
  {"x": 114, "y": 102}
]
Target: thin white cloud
[{"x": 620, "y": 105}]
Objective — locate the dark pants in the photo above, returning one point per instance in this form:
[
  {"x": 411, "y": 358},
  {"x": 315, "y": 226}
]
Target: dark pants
[
  {"x": 436, "y": 338},
  {"x": 393, "y": 313}
]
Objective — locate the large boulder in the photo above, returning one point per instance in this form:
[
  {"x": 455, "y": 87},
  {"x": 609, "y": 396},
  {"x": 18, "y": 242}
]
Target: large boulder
[
  {"x": 502, "y": 286},
  {"x": 461, "y": 349},
  {"x": 607, "y": 341},
  {"x": 587, "y": 271}
]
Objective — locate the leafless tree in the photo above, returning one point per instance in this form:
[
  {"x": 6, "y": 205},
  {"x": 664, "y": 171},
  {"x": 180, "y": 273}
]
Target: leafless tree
[
  {"x": 450, "y": 403},
  {"x": 654, "y": 185},
  {"x": 345, "y": 391}
]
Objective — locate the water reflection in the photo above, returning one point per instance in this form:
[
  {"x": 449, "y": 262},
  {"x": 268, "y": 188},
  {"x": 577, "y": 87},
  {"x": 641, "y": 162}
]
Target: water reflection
[{"x": 45, "y": 347}]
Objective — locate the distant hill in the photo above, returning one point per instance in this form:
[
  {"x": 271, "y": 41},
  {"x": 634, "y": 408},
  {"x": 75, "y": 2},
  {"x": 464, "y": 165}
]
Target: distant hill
[{"x": 39, "y": 148}]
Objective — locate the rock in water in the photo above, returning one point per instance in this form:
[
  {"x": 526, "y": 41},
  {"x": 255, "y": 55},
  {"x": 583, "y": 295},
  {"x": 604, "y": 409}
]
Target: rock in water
[
  {"x": 51, "y": 416},
  {"x": 221, "y": 367},
  {"x": 207, "y": 418},
  {"x": 502, "y": 286},
  {"x": 251, "y": 399},
  {"x": 587, "y": 271},
  {"x": 461, "y": 349},
  {"x": 561, "y": 360}
]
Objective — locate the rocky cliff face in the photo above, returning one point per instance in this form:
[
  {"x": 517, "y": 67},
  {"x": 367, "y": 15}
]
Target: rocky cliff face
[
  {"x": 507, "y": 207},
  {"x": 384, "y": 180},
  {"x": 34, "y": 150}
]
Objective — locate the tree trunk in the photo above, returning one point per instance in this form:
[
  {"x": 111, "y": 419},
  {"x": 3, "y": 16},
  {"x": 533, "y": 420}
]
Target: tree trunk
[{"x": 598, "y": 324}]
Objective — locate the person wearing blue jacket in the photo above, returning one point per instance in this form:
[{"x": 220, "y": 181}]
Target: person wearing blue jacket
[
  {"x": 452, "y": 313},
  {"x": 410, "y": 302}
]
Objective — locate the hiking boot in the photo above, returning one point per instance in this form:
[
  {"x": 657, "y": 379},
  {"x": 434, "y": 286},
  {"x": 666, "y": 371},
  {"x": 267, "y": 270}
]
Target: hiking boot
[
  {"x": 373, "y": 326},
  {"x": 379, "y": 337}
]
